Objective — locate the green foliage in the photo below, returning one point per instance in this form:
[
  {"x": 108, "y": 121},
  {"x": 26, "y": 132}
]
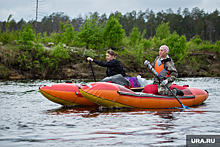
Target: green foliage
[
  {"x": 125, "y": 41},
  {"x": 55, "y": 37},
  {"x": 86, "y": 53},
  {"x": 4, "y": 71},
  {"x": 9, "y": 22},
  {"x": 57, "y": 54},
  {"x": 53, "y": 59},
  {"x": 43, "y": 62},
  {"x": 135, "y": 37},
  {"x": 207, "y": 42},
  {"x": 207, "y": 46},
  {"x": 177, "y": 46},
  {"x": 67, "y": 33},
  {"x": 39, "y": 48},
  {"x": 197, "y": 41},
  {"x": 46, "y": 39},
  {"x": 193, "y": 62},
  {"x": 40, "y": 59},
  {"x": 78, "y": 43},
  {"x": 113, "y": 32},
  {"x": 35, "y": 58},
  {"x": 39, "y": 37},
  {"x": 89, "y": 53},
  {"x": 91, "y": 33},
  {"x": 196, "y": 44},
  {"x": 155, "y": 43},
  {"x": 163, "y": 31},
  {"x": 147, "y": 44},
  {"x": 24, "y": 60},
  {"x": 27, "y": 37},
  {"x": 8, "y": 55},
  {"x": 191, "y": 46},
  {"x": 8, "y": 37},
  {"x": 217, "y": 46},
  {"x": 138, "y": 54},
  {"x": 5, "y": 37}
]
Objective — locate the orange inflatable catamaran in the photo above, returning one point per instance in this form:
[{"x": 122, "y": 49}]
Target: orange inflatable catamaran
[
  {"x": 113, "y": 95},
  {"x": 66, "y": 94}
]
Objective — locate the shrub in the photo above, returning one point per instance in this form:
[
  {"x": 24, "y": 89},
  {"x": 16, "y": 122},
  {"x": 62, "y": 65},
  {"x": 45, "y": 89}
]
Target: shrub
[
  {"x": 91, "y": 33},
  {"x": 49, "y": 61},
  {"x": 8, "y": 37},
  {"x": 8, "y": 55},
  {"x": 58, "y": 54},
  {"x": 87, "y": 53},
  {"x": 5, "y": 37},
  {"x": 208, "y": 46},
  {"x": 197, "y": 41},
  {"x": 67, "y": 33},
  {"x": 147, "y": 44},
  {"x": 217, "y": 46},
  {"x": 125, "y": 41},
  {"x": 135, "y": 37},
  {"x": 177, "y": 46},
  {"x": 27, "y": 37},
  {"x": 163, "y": 31},
  {"x": 156, "y": 42},
  {"x": 113, "y": 32},
  {"x": 138, "y": 54}
]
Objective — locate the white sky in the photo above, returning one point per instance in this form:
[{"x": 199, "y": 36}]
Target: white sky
[{"x": 26, "y": 9}]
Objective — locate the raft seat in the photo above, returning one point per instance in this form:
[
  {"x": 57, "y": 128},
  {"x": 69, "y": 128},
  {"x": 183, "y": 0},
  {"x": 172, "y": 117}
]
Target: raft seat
[{"x": 153, "y": 88}]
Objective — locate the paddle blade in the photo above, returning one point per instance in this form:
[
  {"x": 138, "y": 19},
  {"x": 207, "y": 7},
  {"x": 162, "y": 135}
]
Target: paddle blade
[{"x": 185, "y": 107}]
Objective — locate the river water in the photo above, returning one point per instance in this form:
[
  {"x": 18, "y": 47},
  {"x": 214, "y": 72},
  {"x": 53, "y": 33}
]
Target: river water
[{"x": 29, "y": 119}]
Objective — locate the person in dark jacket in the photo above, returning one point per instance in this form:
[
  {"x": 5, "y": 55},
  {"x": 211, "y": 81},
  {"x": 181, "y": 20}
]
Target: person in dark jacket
[{"x": 113, "y": 65}]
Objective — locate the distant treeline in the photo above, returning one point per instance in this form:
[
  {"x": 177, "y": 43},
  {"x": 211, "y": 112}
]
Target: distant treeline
[{"x": 194, "y": 23}]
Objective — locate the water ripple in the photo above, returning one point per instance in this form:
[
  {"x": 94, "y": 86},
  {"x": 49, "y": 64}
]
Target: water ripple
[{"x": 28, "y": 119}]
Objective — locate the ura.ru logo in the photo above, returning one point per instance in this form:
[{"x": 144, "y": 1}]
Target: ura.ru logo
[{"x": 201, "y": 140}]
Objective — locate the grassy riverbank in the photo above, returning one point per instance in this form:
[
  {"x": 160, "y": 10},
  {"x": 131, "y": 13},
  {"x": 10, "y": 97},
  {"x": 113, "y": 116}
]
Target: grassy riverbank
[
  {"x": 19, "y": 64},
  {"x": 27, "y": 55}
]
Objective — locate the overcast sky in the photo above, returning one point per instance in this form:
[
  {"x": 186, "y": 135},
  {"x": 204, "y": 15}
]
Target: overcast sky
[{"x": 26, "y": 9}]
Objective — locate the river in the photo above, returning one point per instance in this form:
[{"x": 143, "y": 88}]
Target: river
[{"x": 29, "y": 119}]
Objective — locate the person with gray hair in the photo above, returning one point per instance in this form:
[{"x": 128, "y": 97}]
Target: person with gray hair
[{"x": 166, "y": 70}]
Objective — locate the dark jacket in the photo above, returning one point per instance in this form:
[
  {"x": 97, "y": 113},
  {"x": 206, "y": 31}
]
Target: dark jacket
[{"x": 114, "y": 67}]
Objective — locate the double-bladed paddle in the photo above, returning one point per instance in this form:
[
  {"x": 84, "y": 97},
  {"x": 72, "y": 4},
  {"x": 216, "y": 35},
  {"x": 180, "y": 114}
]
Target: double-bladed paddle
[{"x": 155, "y": 73}]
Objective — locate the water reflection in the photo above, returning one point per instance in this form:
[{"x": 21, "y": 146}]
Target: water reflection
[
  {"x": 75, "y": 111},
  {"x": 87, "y": 112}
]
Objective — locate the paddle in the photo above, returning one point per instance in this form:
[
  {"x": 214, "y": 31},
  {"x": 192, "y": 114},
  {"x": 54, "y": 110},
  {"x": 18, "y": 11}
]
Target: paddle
[
  {"x": 155, "y": 73},
  {"x": 92, "y": 70}
]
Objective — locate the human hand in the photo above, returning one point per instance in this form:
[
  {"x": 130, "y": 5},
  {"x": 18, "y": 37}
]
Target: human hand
[
  {"x": 89, "y": 59},
  {"x": 146, "y": 62},
  {"x": 164, "y": 82}
]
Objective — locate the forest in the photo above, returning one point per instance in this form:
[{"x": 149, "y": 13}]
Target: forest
[
  {"x": 57, "y": 47},
  {"x": 184, "y": 22}
]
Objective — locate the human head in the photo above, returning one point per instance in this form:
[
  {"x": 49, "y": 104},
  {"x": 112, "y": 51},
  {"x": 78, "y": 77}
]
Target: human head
[
  {"x": 110, "y": 55},
  {"x": 166, "y": 48},
  {"x": 163, "y": 51}
]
